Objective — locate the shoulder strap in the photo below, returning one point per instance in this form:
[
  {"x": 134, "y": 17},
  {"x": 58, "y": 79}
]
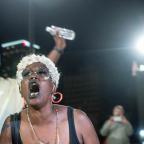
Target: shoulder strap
[
  {"x": 72, "y": 131},
  {"x": 15, "y": 126}
]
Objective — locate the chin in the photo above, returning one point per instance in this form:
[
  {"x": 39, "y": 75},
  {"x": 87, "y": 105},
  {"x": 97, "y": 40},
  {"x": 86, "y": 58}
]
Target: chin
[{"x": 35, "y": 103}]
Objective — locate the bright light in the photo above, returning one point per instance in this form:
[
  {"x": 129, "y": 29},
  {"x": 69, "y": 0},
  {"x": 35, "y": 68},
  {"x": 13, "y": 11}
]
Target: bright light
[
  {"x": 36, "y": 46},
  {"x": 139, "y": 45},
  {"x": 13, "y": 43},
  {"x": 141, "y": 68},
  {"x": 26, "y": 43},
  {"x": 141, "y": 133}
]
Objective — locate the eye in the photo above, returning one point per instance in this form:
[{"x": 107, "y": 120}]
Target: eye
[
  {"x": 42, "y": 71},
  {"x": 25, "y": 73}
]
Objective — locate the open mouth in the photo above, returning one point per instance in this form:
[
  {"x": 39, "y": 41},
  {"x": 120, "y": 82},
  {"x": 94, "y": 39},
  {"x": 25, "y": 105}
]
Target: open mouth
[{"x": 33, "y": 88}]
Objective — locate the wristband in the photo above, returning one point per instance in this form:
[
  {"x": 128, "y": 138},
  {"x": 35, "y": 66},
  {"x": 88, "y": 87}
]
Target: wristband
[{"x": 59, "y": 50}]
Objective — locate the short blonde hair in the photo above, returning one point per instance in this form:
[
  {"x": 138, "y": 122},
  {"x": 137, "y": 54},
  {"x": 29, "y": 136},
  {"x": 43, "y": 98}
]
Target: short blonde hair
[
  {"x": 119, "y": 107},
  {"x": 30, "y": 59}
]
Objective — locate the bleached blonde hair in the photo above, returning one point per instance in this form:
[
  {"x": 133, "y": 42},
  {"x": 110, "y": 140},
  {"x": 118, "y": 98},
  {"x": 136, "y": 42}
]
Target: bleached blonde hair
[
  {"x": 119, "y": 107},
  {"x": 28, "y": 60}
]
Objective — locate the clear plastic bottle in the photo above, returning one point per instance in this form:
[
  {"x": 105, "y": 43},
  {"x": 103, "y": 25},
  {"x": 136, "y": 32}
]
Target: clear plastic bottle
[{"x": 65, "y": 33}]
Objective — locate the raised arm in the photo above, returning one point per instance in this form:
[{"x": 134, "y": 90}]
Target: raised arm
[{"x": 57, "y": 51}]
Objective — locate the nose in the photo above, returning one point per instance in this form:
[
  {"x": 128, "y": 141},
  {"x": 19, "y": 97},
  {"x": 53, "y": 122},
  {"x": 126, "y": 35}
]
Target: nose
[{"x": 34, "y": 75}]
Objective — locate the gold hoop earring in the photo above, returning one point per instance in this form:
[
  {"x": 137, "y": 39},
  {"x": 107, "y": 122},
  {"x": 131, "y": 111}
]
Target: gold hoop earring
[{"x": 55, "y": 98}]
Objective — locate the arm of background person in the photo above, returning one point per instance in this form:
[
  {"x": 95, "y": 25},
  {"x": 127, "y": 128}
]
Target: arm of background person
[
  {"x": 5, "y": 136},
  {"x": 57, "y": 51},
  {"x": 129, "y": 129},
  {"x": 128, "y": 126},
  {"x": 106, "y": 127}
]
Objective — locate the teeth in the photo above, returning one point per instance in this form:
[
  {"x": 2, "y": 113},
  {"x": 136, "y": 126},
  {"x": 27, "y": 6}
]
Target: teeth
[{"x": 33, "y": 94}]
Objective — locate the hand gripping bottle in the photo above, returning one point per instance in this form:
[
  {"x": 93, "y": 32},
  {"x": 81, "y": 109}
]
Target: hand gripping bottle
[{"x": 63, "y": 32}]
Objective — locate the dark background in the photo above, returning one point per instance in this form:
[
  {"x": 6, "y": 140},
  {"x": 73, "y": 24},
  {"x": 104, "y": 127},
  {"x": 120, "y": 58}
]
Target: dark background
[{"x": 96, "y": 67}]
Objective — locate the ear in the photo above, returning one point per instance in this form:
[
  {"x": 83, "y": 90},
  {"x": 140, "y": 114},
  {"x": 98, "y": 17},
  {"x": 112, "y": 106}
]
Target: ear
[{"x": 54, "y": 88}]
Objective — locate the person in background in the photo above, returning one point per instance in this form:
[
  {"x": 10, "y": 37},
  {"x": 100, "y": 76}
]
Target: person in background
[
  {"x": 43, "y": 121},
  {"x": 10, "y": 99},
  {"x": 117, "y": 128}
]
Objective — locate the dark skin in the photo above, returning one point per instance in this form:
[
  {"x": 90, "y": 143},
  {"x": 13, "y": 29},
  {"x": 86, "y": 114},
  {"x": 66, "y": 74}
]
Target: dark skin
[
  {"x": 60, "y": 43},
  {"x": 43, "y": 116}
]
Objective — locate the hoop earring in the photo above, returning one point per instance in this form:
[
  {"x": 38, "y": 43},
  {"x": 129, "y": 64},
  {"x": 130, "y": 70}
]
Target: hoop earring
[{"x": 55, "y": 99}]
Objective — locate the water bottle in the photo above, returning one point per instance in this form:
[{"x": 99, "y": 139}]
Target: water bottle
[{"x": 63, "y": 32}]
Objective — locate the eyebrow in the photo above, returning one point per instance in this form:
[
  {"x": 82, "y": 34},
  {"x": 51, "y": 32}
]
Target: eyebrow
[{"x": 43, "y": 67}]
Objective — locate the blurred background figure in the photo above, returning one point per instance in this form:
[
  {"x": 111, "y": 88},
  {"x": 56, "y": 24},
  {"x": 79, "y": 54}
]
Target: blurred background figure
[{"x": 117, "y": 128}]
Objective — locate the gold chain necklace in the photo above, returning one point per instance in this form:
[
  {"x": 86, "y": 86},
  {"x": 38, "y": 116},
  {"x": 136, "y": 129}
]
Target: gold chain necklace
[{"x": 57, "y": 140}]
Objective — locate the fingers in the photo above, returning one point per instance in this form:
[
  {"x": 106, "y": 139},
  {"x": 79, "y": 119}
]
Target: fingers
[{"x": 59, "y": 41}]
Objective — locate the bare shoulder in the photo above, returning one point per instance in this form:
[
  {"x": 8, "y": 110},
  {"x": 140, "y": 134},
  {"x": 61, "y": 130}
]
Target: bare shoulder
[
  {"x": 81, "y": 116},
  {"x": 85, "y": 127},
  {"x": 5, "y": 136},
  {"x": 80, "y": 113}
]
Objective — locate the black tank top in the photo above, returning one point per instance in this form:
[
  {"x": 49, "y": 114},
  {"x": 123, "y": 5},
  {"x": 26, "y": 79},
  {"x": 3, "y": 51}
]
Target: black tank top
[{"x": 15, "y": 126}]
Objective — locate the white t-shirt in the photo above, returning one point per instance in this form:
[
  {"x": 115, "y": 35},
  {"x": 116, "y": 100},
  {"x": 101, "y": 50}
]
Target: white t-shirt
[{"x": 10, "y": 98}]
